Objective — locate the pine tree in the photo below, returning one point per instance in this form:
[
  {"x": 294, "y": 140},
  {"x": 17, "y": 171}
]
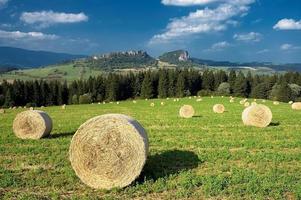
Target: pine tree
[
  {"x": 232, "y": 79},
  {"x": 208, "y": 80},
  {"x": 284, "y": 92},
  {"x": 241, "y": 86},
  {"x": 147, "y": 90},
  {"x": 9, "y": 100},
  {"x": 180, "y": 86},
  {"x": 163, "y": 84}
]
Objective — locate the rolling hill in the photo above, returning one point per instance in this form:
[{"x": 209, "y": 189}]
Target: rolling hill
[{"x": 11, "y": 57}]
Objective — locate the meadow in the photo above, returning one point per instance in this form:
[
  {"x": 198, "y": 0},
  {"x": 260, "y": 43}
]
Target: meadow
[{"x": 208, "y": 156}]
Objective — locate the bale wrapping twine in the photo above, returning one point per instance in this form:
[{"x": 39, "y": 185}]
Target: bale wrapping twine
[
  {"x": 32, "y": 124},
  {"x": 257, "y": 115},
  {"x": 219, "y": 108},
  {"x": 109, "y": 151},
  {"x": 296, "y": 106},
  {"x": 186, "y": 111}
]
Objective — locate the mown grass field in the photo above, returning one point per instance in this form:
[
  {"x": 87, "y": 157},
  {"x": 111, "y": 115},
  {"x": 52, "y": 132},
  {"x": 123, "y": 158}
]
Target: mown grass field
[{"x": 209, "y": 156}]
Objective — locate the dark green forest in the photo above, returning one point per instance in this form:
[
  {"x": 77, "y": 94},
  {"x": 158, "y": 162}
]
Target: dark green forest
[{"x": 151, "y": 84}]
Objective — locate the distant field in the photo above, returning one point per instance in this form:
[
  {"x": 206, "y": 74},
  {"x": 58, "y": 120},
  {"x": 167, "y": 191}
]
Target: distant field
[
  {"x": 209, "y": 156},
  {"x": 59, "y": 72}
]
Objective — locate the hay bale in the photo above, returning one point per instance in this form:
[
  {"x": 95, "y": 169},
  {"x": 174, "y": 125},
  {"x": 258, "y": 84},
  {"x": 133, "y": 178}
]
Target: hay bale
[
  {"x": 32, "y": 124},
  {"x": 134, "y": 102},
  {"x": 162, "y": 103},
  {"x": 152, "y": 104},
  {"x": 31, "y": 108},
  {"x": 246, "y": 104},
  {"x": 255, "y": 100},
  {"x": 263, "y": 101},
  {"x": 231, "y": 100},
  {"x": 2, "y": 111},
  {"x": 14, "y": 108},
  {"x": 178, "y": 99},
  {"x": 211, "y": 97},
  {"x": 175, "y": 100},
  {"x": 290, "y": 102},
  {"x": 296, "y": 106},
  {"x": 64, "y": 106},
  {"x": 98, "y": 103},
  {"x": 199, "y": 100},
  {"x": 276, "y": 103},
  {"x": 186, "y": 111},
  {"x": 219, "y": 108},
  {"x": 104, "y": 103},
  {"x": 253, "y": 103},
  {"x": 189, "y": 97},
  {"x": 257, "y": 115},
  {"x": 117, "y": 103},
  {"x": 242, "y": 102},
  {"x": 109, "y": 151}
]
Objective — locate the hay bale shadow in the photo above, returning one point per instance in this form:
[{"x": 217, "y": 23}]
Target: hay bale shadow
[
  {"x": 60, "y": 135},
  {"x": 167, "y": 163},
  {"x": 275, "y": 124},
  {"x": 196, "y": 116}
]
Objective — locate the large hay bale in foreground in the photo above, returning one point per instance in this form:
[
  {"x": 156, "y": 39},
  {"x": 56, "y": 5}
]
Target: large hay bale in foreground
[
  {"x": 109, "y": 151},
  {"x": 257, "y": 115},
  {"x": 296, "y": 106},
  {"x": 219, "y": 108},
  {"x": 186, "y": 111},
  {"x": 32, "y": 124}
]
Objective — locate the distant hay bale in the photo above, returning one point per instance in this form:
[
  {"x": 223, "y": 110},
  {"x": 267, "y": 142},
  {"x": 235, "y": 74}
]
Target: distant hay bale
[
  {"x": 111, "y": 102},
  {"x": 222, "y": 96},
  {"x": 255, "y": 100},
  {"x": 276, "y": 103},
  {"x": 2, "y": 111},
  {"x": 109, "y": 151},
  {"x": 42, "y": 106},
  {"x": 104, "y": 102},
  {"x": 14, "y": 108},
  {"x": 246, "y": 104},
  {"x": 257, "y": 115},
  {"x": 152, "y": 104},
  {"x": 32, "y": 124},
  {"x": 134, "y": 102},
  {"x": 219, "y": 108},
  {"x": 64, "y": 106},
  {"x": 31, "y": 108},
  {"x": 175, "y": 100},
  {"x": 296, "y": 106},
  {"x": 290, "y": 102},
  {"x": 263, "y": 101},
  {"x": 117, "y": 102},
  {"x": 98, "y": 103},
  {"x": 189, "y": 97},
  {"x": 178, "y": 99},
  {"x": 194, "y": 96},
  {"x": 199, "y": 100},
  {"x": 242, "y": 102},
  {"x": 253, "y": 103},
  {"x": 186, "y": 111},
  {"x": 162, "y": 103},
  {"x": 231, "y": 100},
  {"x": 146, "y": 99},
  {"x": 211, "y": 97}
]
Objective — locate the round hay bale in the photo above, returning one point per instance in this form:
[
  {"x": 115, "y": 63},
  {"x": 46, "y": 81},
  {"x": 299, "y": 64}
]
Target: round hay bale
[
  {"x": 117, "y": 102},
  {"x": 189, "y": 97},
  {"x": 14, "y": 108},
  {"x": 152, "y": 104},
  {"x": 31, "y": 108},
  {"x": 98, "y": 103},
  {"x": 109, "y": 151},
  {"x": 231, "y": 100},
  {"x": 174, "y": 100},
  {"x": 146, "y": 99},
  {"x": 276, "y": 103},
  {"x": 199, "y": 100},
  {"x": 104, "y": 102},
  {"x": 246, "y": 104},
  {"x": 211, "y": 97},
  {"x": 263, "y": 101},
  {"x": 178, "y": 99},
  {"x": 186, "y": 111},
  {"x": 2, "y": 111},
  {"x": 296, "y": 106},
  {"x": 219, "y": 108},
  {"x": 162, "y": 103},
  {"x": 253, "y": 103},
  {"x": 32, "y": 124},
  {"x": 257, "y": 115},
  {"x": 242, "y": 102},
  {"x": 222, "y": 96},
  {"x": 290, "y": 102},
  {"x": 134, "y": 102},
  {"x": 64, "y": 106},
  {"x": 255, "y": 100}
]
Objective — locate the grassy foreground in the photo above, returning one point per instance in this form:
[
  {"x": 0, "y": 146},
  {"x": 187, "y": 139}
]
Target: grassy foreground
[{"x": 209, "y": 156}]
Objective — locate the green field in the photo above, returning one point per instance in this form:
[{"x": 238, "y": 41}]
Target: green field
[
  {"x": 59, "y": 72},
  {"x": 209, "y": 156}
]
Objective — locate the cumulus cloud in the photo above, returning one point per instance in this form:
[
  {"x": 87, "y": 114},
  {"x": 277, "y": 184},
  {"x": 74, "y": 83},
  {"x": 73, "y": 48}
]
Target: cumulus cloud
[
  {"x": 288, "y": 24},
  {"x": 219, "y": 46},
  {"x": 203, "y": 21},
  {"x": 47, "y": 18},
  {"x": 18, "y": 35},
  {"x": 289, "y": 47},
  {"x": 3, "y": 3},
  {"x": 188, "y": 2},
  {"x": 248, "y": 37}
]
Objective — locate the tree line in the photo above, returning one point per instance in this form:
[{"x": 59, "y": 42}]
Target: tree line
[{"x": 151, "y": 84}]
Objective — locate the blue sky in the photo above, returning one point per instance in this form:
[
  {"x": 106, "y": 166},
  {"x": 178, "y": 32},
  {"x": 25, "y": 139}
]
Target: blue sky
[{"x": 234, "y": 30}]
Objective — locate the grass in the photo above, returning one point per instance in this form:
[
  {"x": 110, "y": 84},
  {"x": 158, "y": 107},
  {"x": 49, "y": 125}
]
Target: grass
[
  {"x": 59, "y": 72},
  {"x": 209, "y": 156}
]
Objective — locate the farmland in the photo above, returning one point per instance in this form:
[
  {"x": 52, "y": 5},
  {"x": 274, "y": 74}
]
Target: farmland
[{"x": 208, "y": 156}]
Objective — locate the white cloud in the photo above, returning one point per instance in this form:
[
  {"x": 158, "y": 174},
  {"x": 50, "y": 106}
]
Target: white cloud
[
  {"x": 263, "y": 51},
  {"x": 248, "y": 37},
  {"x": 188, "y": 2},
  {"x": 219, "y": 46},
  {"x": 203, "y": 21},
  {"x": 288, "y": 24},
  {"x": 3, "y": 3},
  {"x": 47, "y": 18},
  {"x": 289, "y": 47},
  {"x": 18, "y": 35}
]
